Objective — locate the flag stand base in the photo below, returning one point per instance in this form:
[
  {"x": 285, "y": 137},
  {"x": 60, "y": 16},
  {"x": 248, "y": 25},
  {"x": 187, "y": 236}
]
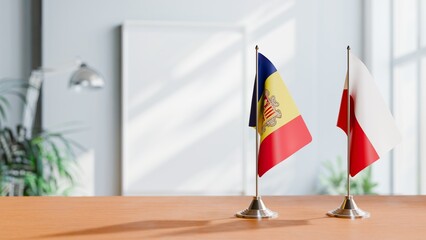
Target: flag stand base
[
  {"x": 348, "y": 209},
  {"x": 257, "y": 209}
]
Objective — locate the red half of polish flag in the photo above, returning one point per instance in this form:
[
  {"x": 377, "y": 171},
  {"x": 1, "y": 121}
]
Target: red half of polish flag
[{"x": 373, "y": 129}]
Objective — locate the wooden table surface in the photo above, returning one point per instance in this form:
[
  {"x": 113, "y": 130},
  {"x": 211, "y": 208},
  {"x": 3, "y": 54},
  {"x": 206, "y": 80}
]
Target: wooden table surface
[{"x": 300, "y": 217}]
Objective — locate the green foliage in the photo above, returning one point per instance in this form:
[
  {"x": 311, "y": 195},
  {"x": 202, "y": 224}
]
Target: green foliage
[
  {"x": 333, "y": 181},
  {"x": 43, "y": 164},
  {"x": 40, "y": 165}
]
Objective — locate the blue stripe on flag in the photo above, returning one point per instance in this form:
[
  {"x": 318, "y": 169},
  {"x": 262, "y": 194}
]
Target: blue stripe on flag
[{"x": 266, "y": 68}]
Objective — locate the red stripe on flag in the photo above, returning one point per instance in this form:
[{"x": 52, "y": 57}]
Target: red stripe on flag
[
  {"x": 269, "y": 114},
  {"x": 362, "y": 151},
  {"x": 282, "y": 143},
  {"x": 268, "y": 109}
]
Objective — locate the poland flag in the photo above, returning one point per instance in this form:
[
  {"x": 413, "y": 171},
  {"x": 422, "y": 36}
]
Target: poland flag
[{"x": 373, "y": 129}]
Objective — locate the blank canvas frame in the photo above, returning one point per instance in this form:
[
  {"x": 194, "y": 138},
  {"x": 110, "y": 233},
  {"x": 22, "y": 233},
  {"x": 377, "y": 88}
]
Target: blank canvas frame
[{"x": 184, "y": 109}]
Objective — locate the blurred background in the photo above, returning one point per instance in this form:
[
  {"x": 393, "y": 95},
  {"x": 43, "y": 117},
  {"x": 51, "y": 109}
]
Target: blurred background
[{"x": 172, "y": 116}]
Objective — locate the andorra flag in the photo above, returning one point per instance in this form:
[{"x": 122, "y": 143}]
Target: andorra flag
[
  {"x": 373, "y": 129},
  {"x": 281, "y": 127}
]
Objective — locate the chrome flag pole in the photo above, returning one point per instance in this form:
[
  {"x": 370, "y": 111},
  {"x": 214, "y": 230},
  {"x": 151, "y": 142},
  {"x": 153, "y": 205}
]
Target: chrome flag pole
[
  {"x": 257, "y": 208},
  {"x": 348, "y": 209},
  {"x": 257, "y": 121}
]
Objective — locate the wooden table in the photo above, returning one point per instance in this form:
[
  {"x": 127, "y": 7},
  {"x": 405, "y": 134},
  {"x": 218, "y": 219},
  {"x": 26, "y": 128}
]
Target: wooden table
[{"x": 301, "y": 217}]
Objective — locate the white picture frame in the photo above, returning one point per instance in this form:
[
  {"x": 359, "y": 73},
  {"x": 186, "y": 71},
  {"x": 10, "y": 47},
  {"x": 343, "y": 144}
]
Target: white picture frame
[{"x": 171, "y": 149}]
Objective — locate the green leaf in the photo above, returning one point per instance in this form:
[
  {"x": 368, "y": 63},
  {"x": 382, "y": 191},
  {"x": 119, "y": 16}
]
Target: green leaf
[
  {"x": 2, "y": 113},
  {"x": 47, "y": 161},
  {"x": 4, "y": 101},
  {"x": 333, "y": 179}
]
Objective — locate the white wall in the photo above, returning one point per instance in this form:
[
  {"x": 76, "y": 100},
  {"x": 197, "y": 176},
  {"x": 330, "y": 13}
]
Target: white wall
[
  {"x": 339, "y": 25},
  {"x": 378, "y": 55},
  {"x": 15, "y": 47},
  {"x": 309, "y": 52},
  {"x": 395, "y": 53}
]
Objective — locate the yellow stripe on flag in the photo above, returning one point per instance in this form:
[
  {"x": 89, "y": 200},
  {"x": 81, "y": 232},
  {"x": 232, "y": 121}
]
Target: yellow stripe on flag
[{"x": 276, "y": 88}]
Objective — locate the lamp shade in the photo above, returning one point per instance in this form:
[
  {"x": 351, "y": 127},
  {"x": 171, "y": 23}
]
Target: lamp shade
[{"x": 86, "y": 77}]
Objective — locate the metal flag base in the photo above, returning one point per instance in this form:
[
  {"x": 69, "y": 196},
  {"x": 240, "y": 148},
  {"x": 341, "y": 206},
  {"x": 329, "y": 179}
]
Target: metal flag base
[
  {"x": 257, "y": 209},
  {"x": 348, "y": 209}
]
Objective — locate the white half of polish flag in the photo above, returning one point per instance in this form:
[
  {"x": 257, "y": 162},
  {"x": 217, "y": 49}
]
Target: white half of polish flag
[{"x": 373, "y": 129}]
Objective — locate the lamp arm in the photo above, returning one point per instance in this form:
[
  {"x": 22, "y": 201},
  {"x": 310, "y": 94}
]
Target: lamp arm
[
  {"x": 83, "y": 76},
  {"x": 63, "y": 68},
  {"x": 32, "y": 96},
  {"x": 33, "y": 93}
]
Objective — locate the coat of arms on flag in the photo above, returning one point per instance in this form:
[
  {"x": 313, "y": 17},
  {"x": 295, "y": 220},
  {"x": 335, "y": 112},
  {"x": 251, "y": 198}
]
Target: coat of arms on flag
[{"x": 270, "y": 111}]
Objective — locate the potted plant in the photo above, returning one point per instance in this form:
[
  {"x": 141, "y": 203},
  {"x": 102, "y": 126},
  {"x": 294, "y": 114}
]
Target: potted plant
[
  {"x": 41, "y": 164},
  {"x": 333, "y": 180}
]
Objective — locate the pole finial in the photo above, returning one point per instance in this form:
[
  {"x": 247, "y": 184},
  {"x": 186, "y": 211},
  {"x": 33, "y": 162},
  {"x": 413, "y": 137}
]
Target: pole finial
[
  {"x": 349, "y": 48},
  {"x": 257, "y": 47}
]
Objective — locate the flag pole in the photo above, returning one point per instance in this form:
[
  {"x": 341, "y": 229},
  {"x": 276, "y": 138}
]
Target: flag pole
[
  {"x": 257, "y": 121},
  {"x": 348, "y": 209},
  {"x": 257, "y": 208},
  {"x": 348, "y": 185}
]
